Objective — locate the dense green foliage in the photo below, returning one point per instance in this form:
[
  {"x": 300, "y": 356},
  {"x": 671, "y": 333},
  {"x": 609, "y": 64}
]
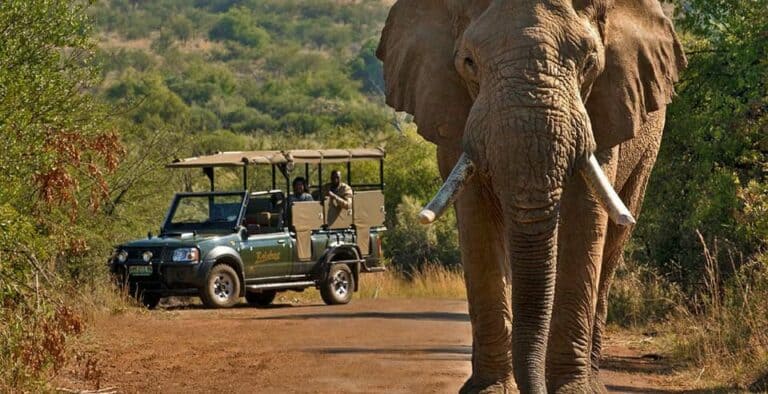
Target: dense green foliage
[
  {"x": 712, "y": 171},
  {"x": 57, "y": 149},
  {"x": 269, "y": 66}
]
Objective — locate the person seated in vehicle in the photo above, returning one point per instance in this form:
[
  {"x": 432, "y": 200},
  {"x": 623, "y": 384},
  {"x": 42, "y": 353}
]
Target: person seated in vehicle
[
  {"x": 339, "y": 194},
  {"x": 299, "y": 195}
]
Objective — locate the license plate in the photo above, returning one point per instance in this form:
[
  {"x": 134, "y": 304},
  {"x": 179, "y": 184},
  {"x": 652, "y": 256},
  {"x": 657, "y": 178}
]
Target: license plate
[{"x": 140, "y": 270}]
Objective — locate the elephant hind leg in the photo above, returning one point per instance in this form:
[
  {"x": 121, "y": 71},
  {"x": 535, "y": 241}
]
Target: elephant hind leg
[{"x": 638, "y": 157}]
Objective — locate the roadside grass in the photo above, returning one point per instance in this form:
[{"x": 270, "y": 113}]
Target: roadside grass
[
  {"x": 430, "y": 281},
  {"x": 724, "y": 331},
  {"x": 716, "y": 337}
]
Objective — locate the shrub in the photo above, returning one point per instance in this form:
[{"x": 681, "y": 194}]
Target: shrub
[
  {"x": 238, "y": 25},
  {"x": 411, "y": 245},
  {"x": 640, "y": 295}
]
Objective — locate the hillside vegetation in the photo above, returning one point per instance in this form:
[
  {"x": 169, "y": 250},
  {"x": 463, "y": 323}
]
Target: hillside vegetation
[{"x": 97, "y": 96}]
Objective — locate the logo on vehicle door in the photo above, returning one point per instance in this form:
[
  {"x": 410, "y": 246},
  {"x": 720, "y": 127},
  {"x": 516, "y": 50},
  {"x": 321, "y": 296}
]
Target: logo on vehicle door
[{"x": 264, "y": 256}]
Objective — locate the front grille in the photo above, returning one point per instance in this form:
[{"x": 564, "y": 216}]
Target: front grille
[{"x": 158, "y": 254}]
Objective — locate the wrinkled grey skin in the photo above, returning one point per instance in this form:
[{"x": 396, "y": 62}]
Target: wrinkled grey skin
[{"x": 528, "y": 89}]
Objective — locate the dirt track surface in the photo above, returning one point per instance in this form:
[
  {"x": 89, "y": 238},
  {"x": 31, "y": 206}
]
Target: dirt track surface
[{"x": 406, "y": 346}]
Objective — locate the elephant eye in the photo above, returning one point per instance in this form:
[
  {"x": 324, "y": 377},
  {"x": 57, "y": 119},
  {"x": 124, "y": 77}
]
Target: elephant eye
[
  {"x": 470, "y": 64},
  {"x": 589, "y": 63}
]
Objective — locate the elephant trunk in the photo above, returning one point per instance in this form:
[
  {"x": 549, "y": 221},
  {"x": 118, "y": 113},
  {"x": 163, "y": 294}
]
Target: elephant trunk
[{"x": 532, "y": 247}]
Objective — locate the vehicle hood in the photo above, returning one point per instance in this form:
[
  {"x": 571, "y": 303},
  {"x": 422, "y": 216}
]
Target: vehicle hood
[{"x": 175, "y": 240}]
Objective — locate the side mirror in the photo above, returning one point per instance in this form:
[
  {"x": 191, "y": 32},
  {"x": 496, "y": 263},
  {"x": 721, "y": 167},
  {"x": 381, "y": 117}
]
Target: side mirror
[{"x": 243, "y": 233}]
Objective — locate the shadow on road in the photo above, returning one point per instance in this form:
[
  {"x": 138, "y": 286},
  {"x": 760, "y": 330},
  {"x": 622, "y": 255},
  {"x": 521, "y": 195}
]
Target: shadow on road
[
  {"x": 440, "y": 316},
  {"x": 636, "y": 365},
  {"x": 631, "y": 390},
  {"x": 449, "y": 353},
  {"x": 190, "y": 306}
]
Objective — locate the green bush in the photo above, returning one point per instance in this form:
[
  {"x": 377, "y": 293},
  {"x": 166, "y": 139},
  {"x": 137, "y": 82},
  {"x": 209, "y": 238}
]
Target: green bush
[
  {"x": 238, "y": 25},
  {"x": 411, "y": 245}
]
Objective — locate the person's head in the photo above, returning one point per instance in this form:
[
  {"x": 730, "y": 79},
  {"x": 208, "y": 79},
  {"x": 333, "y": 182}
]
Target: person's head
[
  {"x": 335, "y": 177},
  {"x": 299, "y": 185}
]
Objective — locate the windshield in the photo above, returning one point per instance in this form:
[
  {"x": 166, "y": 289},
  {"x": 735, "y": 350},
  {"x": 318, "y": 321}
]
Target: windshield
[{"x": 205, "y": 212}]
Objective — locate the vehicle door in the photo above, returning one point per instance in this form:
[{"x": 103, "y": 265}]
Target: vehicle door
[
  {"x": 267, "y": 252},
  {"x": 267, "y": 255}
]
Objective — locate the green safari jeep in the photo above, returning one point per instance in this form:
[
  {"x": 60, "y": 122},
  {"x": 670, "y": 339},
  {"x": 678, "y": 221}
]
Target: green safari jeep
[{"x": 222, "y": 246}]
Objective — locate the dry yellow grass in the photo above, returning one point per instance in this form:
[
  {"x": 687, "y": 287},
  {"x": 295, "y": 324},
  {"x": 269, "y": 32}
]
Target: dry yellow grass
[{"x": 430, "y": 282}]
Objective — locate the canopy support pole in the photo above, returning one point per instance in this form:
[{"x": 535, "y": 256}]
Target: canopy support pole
[
  {"x": 208, "y": 171},
  {"x": 245, "y": 176},
  {"x": 274, "y": 179}
]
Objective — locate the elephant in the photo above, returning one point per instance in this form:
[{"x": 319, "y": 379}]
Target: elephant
[{"x": 547, "y": 114}]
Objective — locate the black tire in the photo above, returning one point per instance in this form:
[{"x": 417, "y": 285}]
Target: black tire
[
  {"x": 222, "y": 287},
  {"x": 338, "y": 286},
  {"x": 262, "y": 299},
  {"x": 149, "y": 300}
]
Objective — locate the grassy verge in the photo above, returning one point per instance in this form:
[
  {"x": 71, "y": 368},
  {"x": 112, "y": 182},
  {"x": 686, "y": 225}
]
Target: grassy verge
[
  {"x": 431, "y": 281},
  {"x": 724, "y": 332},
  {"x": 717, "y": 334}
]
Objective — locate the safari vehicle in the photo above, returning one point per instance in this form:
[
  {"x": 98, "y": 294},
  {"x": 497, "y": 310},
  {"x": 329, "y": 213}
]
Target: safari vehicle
[{"x": 223, "y": 245}]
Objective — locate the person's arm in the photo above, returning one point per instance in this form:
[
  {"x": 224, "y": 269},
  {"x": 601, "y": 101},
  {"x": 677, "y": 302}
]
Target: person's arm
[
  {"x": 340, "y": 201},
  {"x": 346, "y": 197}
]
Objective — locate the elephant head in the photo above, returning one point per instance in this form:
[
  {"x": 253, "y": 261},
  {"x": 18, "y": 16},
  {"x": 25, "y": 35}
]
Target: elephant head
[{"x": 528, "y": 90}]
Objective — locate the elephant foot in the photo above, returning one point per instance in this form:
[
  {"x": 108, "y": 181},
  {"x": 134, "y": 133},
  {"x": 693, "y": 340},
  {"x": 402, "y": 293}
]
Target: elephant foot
[
  {"x": 573, "y": 387},
  {"x": 597, "y": 385},
  {"x": 473, "y": 386}
]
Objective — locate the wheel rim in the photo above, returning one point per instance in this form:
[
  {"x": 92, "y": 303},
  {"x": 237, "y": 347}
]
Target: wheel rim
[
  {"x": 223, "y": 286},
  {"x": 340, "y": 284}
]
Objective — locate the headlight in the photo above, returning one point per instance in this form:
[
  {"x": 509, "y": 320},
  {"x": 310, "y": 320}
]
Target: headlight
[
  {"x": 186, "y": 255},
  {"x": 146, "y": 256},
  {"x": 122, "y": 256}
]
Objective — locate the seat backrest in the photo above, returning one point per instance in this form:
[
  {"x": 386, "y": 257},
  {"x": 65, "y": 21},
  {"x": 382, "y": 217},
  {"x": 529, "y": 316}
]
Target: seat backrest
[
  {"x": 368, "y": 211},
  {"x": 337, "y": 218},
  {"x": 306, "y": 216},
  {"x": 368, "y": 208}
]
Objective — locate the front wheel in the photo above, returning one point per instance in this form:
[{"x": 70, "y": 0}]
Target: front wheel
[
  {"x": 149, "y": 300},
  {"x": 222, "y": 287},
  {"x": 337, "y": 288}
]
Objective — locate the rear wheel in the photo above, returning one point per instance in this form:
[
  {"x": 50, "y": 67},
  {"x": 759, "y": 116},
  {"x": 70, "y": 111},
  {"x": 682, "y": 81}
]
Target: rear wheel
[
  {"x": 222, "y": 287},
  {"x": 262, "y": 298},
  {"x": 337, "y": 288}
]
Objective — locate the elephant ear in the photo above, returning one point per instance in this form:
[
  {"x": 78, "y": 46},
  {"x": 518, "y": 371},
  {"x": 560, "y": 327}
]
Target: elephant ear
[
  {"x": 643, "y": 59},
  {"x": 416, "y": 47}
]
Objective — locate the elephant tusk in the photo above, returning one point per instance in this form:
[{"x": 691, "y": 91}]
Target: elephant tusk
[
  {"x": 595, "y": 177},
  {"x": 462, "y": 172}
]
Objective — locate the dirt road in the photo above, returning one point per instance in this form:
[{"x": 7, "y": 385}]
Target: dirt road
[{"x": 407, "y": 346}]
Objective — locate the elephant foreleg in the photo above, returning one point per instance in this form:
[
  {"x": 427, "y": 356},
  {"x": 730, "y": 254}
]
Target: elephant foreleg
[
  {"x": 486, "y": 275},
  {"x": 583, "y": 227}
]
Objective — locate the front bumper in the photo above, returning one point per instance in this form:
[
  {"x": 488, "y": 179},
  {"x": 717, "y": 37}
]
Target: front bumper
[{"x": 166, "y": 278}]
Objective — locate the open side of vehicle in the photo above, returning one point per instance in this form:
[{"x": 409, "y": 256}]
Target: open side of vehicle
[{"x": 225, "y": 245}]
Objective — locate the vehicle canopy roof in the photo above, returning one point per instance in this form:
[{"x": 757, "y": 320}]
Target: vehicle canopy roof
[{"x": 272, "y": 157}]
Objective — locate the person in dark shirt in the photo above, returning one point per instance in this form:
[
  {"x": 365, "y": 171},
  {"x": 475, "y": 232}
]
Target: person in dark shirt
[{"x": 299, "y": 195}]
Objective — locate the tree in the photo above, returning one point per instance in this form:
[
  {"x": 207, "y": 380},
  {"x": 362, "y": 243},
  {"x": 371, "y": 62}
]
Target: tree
[
  {"x": 183, "y": 28},
  {"x": 238, "y": 25},
  {"x": 58, "y": 148},
  {"x": 712, "y": 171}
]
